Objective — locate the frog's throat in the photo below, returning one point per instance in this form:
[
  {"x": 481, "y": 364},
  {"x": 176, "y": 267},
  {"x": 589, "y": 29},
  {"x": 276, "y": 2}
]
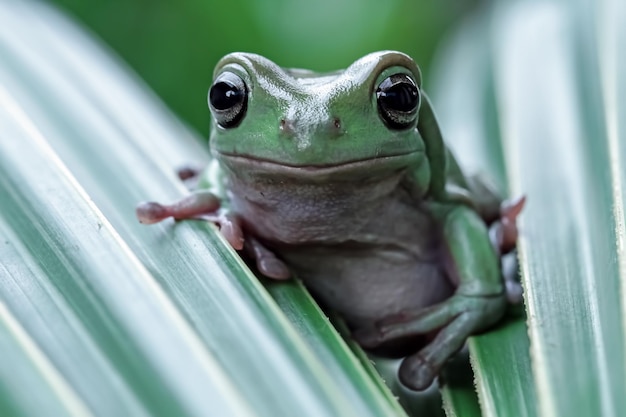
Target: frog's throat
[{"x": 394, "y": 161}]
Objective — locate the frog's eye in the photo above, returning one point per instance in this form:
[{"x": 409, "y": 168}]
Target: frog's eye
[
  {"x": 228, "y": 98},
  {"x": 398, "y": 100}
]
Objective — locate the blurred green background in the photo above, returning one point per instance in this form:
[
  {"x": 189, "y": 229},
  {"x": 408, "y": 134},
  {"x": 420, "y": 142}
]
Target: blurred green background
[{"x": 173, "y": 45}]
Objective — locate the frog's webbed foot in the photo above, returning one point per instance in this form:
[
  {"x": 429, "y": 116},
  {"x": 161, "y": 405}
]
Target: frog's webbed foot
[
  {"x": 454, "y": 320},
  {"x": 198, "y": 205},
  {"x": 266, "y": 262}
]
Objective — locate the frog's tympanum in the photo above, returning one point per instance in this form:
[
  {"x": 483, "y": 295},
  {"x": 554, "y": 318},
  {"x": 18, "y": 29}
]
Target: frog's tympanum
[{"x": 342, "y": 179}]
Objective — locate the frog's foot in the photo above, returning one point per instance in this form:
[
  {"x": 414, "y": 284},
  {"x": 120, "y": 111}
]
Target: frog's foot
[
  {"x": 266, "y": 262},
  {"x": 455, "y": 320},
  {"x": 503, "y": 232},
  {"x": 198, "y": 205}
]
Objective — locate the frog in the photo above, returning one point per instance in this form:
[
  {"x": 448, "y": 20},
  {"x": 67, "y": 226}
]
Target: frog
[{"x": 343, "y": 180}]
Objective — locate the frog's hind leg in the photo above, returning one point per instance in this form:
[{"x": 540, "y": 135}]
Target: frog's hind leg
[
  {"x": 417, "y": 371},
  {"x": 453, "y": 321},
  {"x": 478, "y": 302}
]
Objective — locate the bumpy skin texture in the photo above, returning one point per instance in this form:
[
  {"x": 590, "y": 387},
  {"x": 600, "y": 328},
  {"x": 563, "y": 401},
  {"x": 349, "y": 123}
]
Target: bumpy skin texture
[{"x": 378, "y": 221}]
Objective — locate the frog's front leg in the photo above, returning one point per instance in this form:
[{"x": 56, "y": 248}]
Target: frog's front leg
[
  {"x": 478, "y": 302},
  {"x": 201, "y": 204}
]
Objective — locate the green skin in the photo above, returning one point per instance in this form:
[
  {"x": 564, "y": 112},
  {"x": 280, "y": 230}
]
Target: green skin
[{"x": 379, "y": 223}]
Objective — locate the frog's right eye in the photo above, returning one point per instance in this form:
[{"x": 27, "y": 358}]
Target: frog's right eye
[
  {"x": 398, "y": 101},
  {"x": 228, "y": 99}
]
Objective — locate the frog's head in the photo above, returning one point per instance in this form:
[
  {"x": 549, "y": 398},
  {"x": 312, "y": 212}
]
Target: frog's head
[{"x": 292, "y": 121}]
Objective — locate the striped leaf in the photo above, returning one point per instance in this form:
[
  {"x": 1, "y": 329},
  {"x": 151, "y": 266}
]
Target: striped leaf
[
  {"x": 534, "y": 92},
  {"x": 103, "y": 316}
]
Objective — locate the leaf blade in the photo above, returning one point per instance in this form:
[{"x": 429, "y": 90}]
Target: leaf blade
[{"x": 119, "y": 122}]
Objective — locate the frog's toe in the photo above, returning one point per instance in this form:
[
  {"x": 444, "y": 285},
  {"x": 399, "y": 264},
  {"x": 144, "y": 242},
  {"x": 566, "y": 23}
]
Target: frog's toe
[
  {"x": 266, "y": 261},
  {"x": 151, "y": 212},
  {"x": 417, "y": 373},
  {"x": 504, "y": 232},
  {"x": 230, "y": 228},
  {"x": 419, "y": 370},
  {"x": 273, "y": 268},
  {"x": 510, "y": 209}
]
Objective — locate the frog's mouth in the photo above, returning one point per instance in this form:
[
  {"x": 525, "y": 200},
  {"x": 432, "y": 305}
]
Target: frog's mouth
[{"x": 372, "y": 166}]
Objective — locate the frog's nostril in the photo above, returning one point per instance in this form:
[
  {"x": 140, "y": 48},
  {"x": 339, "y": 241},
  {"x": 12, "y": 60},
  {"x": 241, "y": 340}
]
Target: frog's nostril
[
  {"x": 329, "y": 128},
  {"x": 287, "y": 127},
  {"x": 336, "y": 127}
]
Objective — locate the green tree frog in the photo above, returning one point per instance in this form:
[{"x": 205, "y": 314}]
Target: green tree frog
[{"x": 343, "y": 180}]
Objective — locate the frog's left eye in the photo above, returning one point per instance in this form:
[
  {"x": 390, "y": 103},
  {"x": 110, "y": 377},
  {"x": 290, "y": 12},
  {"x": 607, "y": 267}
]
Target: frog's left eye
[
  {"x": 228, "y": 98},
  {"x": 398, "y": 100}
]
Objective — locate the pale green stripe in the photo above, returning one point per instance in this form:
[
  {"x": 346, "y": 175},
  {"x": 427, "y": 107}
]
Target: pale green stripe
[{"x": 58, "y": 385}]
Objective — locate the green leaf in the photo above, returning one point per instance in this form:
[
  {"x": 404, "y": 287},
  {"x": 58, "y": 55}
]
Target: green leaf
[
  {"x": 54, "y": 397},
  {"x": 464, "y": 96},
  {"x": 102, "y": 316},
  {"x": 162, "y": 320},
  {"x": 534, "y": 91}
]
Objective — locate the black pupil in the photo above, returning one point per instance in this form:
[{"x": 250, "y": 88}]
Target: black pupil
[
  {"x": 225, "y": 95},
  {"x": 402, "y": 97}
]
